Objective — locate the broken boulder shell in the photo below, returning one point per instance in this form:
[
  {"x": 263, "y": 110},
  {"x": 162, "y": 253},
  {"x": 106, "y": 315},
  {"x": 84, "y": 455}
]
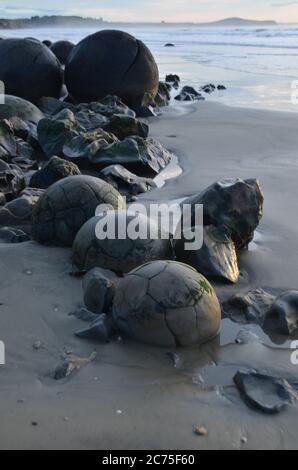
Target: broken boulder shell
[
  {"x": 166, "y": 303},
  {"x": 67, "y": 205},
  {"x": 15, "y": 107},
  {"x": 265, "y": 393},
  {"x": 282, "y": 317},
  {"x": 125, "y": 182},
  {"x": 96, "y": 246},
  {"x": 234, "y": 205},
  {"x": 216, "y": 259},
  {"x": 99, "y": 291}
]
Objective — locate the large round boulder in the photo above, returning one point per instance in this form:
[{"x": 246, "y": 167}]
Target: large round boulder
[
  {"x": 15, "y": 107},
  {"x": 62, "y": 49},
  {"x": 29, "y": 69},
  {"x": 166, "y": 303},
  {"x": 111, "y": 63},
  {"x": 67, "y": 205},
  {"x": 119, "y": 241}
]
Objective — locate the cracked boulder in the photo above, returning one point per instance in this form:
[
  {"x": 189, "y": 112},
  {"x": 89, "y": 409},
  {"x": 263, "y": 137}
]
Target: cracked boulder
[
  {"x": 233, "y": 205},
  {"x": 11, "y": 180},
  {"x": 165, "y": 303},
  {"x": 29, "y": 69},
  {"x": 111, "y": 62},
  {"x": 125, "y": 182},
  {"x": 119, "y": 241},
  {"x": 22, "y": 114},
  {"x": 54, "y": 170},
  {"x": 62, "y": 49},
  {"x": 282, "y": 317},
  {"x": 216, "y": 259},
  {"x": 67, "y": 205}
]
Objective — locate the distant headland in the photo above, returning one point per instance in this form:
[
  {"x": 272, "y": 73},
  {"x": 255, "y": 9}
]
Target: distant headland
[{"x": 79, "y": 21}]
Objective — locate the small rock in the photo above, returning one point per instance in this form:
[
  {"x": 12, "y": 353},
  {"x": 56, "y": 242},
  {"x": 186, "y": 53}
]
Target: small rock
[
  {"x": 37, "y": 345},
  {"x": 282, "y": 317},
  {"x": 201, "y": 431},
  {"x": 71, "y": 364},
  {"x": 54, "y": 170}
]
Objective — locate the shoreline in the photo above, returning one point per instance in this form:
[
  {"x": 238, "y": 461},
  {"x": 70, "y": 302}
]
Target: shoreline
[{"x": 131, "y": 396}]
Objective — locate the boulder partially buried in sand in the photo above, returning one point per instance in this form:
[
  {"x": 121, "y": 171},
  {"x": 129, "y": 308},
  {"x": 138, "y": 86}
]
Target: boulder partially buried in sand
[
  {"x": 29, "y": 69},
  {"x": 67, "y": 205},
  {"x": 111, "y": 62},
  {"x": 106, "y": 242},
  {"x": 166, "y": 303}
]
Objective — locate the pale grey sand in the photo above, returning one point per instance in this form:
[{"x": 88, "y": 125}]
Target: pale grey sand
[{"x": 131, "y": 396}]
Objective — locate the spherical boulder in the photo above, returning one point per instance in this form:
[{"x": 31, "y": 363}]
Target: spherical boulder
[
  {"x": 67, "y": 205},
  {"x": 15, "y": 107},
  {"x": 111, "y": 63},
  {"x": 29, "y": 69},
  {"x": 109, "y": 241},
  {"x": 47, "y": 42},
  {"x": 166, "y": 303},
  {"x": 62, "y": 49}
]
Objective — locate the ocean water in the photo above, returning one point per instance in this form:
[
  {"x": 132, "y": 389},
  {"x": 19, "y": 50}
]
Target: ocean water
[{"x": 258, "y": 65}]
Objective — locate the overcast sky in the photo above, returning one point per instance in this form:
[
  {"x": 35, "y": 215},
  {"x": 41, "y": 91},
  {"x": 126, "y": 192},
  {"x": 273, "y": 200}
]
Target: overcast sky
[{"x": 155, "y": 10}]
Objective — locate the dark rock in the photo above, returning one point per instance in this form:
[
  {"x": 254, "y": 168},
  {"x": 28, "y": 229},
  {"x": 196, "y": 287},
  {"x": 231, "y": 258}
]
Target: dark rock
[
  {"x": 233, "y": 205},
  {"x": 188, "y": 93},
  {"x": 29, "y": 69},
  {"x": 13, "y": 235},
  {"x": 217, "y": 259},
  {"x": 125, "y": 182},
  {"x": 119, "y": 254},
  {"x": 62, "y": 50},
  {"x": 18, "y": 212},
  {"x": 221, "y": 87},
  {"x": 107, "y": 106},
  {"x": 11, "y": 180},
  {"x": 54, "y": 132},
  {"x": 173, "y": 80},
  {"x": 169, "y": 44},
  {"x": 67, "y": 205},
  {"x": 166, "y": 303},
  {"x": 90, "y": 120},
  {"x": 111, "y": 63},
  {"x": 282, "y": 317},
  {"x": 85, "y": 148},
  {"x": 102, "y": 329},
  {"x": 47, "y": 42},
  {"x": 265, "y": 393},
  {"x": 52, "y": 106},
  {"x": 54, "y": 170},
  {"x": 99, "y": 292},
  {"x": 251, "y": 307},
  {"x": 8, "y": 145},
  {"x": 163, "y": 96},
  {"x": 209, "y": 88},
  {"x": 123, "y": 126},
  {"x": 139, "y": 155}
]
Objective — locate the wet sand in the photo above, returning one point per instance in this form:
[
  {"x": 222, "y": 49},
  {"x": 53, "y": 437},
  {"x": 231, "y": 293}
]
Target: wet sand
[{"x": 131, "y": 396}]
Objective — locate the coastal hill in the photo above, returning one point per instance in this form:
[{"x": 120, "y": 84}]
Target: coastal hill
[{"x": 78, "y": 21}]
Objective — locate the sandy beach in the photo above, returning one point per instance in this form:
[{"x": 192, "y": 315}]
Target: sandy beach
[{"x": 131, "y": 396}]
